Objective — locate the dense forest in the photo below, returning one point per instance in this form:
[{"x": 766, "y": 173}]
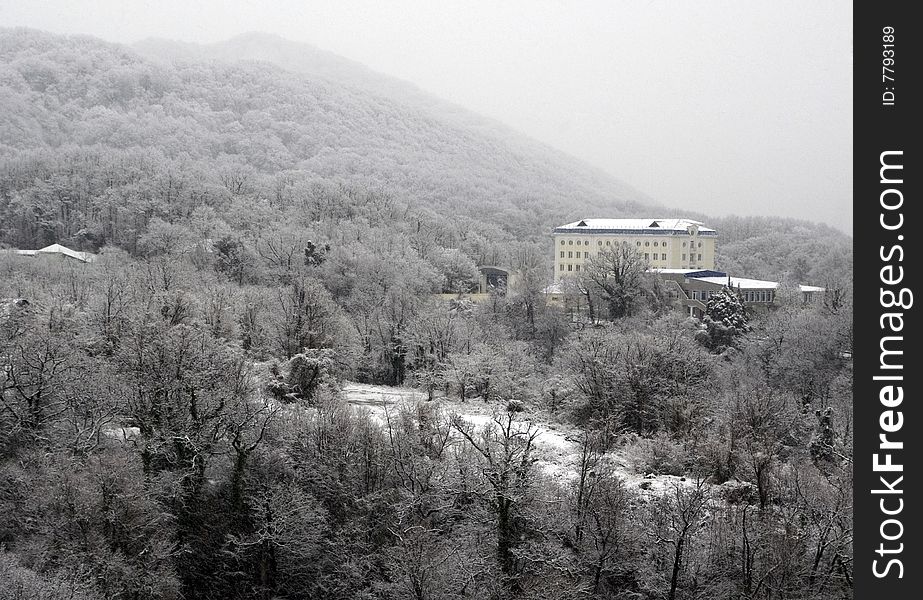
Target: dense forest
[{"x": 173, "y": 421}]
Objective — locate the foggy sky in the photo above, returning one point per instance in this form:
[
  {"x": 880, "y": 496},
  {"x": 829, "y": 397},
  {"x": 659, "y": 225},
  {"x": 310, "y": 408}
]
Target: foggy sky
[{"x": 735, "y": 107}]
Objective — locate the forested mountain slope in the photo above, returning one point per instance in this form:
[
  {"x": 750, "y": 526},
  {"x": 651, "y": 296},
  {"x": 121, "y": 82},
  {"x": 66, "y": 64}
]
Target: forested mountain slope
[
  {"x": 764, "y": 247},
  {"x": 83, "y": 98},
  {"x": 96, "y": 140}
]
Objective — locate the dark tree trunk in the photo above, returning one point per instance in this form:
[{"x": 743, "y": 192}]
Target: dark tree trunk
[{"x": 677, "y": 560}]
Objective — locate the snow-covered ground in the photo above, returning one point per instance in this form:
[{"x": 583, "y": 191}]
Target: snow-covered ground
[{"x": 555, "y": 446}]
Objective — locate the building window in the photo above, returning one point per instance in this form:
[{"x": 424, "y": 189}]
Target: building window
[
  {"x": 655, "y": 244},
  {"x": 639, "y": 243},
  {"x": 647, "y": 256},
  {"x": 586, "y": 255},
  {"x": 600, "y": 243},
  {"x": 608, "y": 242},
  {"x": 570, "y": 254},
  {"x": 578, "y": 242},
  {"x": 647, "y": 243},
  {"x": 570, "y": 242},
  {"x": 561, "y": 267},
  {"x": 663, "y": 257},
  {"x": 576, "y": 267},
  {"x": 586, "y": 242},
  {"x": 700, "y": 257},
  {"x": 562, "y": 242},
  {"x": 684, "y": 257},
  {"x": 570, "y": 267},
  {"x": 562, "y": 254},
  {"x": 684, "y": 244},
  {"x": 700, "y": 244}
]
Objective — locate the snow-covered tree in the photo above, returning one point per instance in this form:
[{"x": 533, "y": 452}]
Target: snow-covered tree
[
  {"x": 726, "y": 308},
  {"x": 725, "y": 320}
]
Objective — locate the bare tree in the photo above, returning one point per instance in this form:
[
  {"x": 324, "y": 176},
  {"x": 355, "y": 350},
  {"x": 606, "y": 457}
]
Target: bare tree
[
  {"x": 617, "y": 273},
  {"x": 506, "y": 448},
  {"x": 687, "y": 511}
]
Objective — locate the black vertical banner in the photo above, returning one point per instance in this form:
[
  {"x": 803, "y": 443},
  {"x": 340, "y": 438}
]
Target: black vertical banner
[{"x": 888, "y": 435}]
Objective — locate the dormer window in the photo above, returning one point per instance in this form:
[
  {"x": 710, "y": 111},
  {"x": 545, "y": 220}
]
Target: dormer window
[{"x": 582, "y": 224}]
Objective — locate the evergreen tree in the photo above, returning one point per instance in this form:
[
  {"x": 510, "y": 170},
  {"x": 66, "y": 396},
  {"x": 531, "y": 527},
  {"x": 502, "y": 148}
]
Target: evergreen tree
[{"x": 725, "y": 320}]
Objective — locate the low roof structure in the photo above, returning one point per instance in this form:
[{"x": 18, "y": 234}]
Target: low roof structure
[
  {"x": 60, "y": 250},
  {"x": 744, "y": 283},
  {"x": 717, "y": 278}
]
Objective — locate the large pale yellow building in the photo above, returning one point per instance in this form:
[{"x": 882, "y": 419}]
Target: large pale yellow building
[{"x": 664, "y": 243}]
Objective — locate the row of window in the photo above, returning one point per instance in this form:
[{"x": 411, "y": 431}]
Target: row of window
[
  {"x": 757, "y": 295},
  {"x": 608, "y": 243},
  {"x": 647, "y": 255},
  {"x": 748, "y": 295},
  {"x": 702, "y": 295},
  {"x": 576, "y": 267}
]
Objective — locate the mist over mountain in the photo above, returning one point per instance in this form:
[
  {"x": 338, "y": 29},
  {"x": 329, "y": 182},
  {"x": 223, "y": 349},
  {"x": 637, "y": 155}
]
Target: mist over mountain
[
  {"x": 296, "y": 57},
  {"x": 260, "y": 117},
  {"x": 325, "y": 123}
]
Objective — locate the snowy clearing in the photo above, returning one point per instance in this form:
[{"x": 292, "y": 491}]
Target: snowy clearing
[{"x": 556, "y": 447}]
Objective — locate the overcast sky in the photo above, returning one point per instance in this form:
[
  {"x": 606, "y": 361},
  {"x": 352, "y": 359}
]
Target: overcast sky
[{"x": 722, "y": 107}]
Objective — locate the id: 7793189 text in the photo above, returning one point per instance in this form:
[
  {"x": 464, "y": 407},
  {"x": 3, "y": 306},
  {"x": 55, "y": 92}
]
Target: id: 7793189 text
[{"x": 887, "y": 65}]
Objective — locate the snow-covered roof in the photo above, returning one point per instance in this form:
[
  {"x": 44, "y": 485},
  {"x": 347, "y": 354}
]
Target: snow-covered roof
[
  {"x": 635, "y": 226},
  {"x": 59, "y": 249},
  {"x": 679, "y": 271},
  {"x": 754, "y": 284},
  {"x": 741, "y": 282},
  {"x": 690, "y": 272}
]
